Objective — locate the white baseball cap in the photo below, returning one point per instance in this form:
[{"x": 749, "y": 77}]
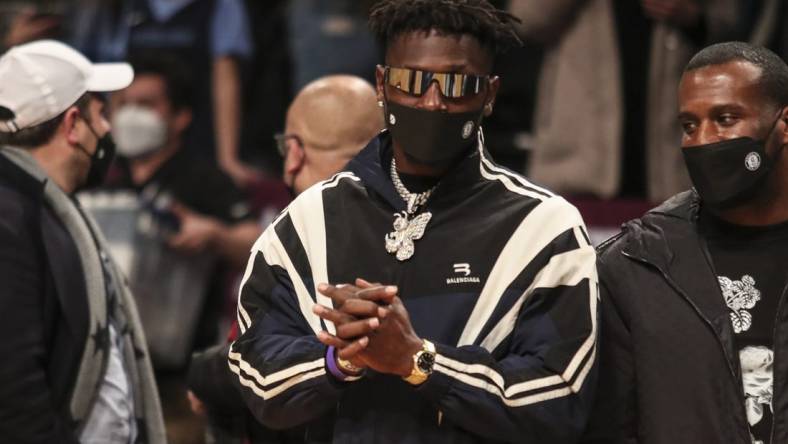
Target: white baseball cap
[{"x": 42, "y": 79}]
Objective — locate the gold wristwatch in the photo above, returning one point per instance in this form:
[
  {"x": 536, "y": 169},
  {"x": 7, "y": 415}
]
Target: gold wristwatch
[{"x": 423, "y": 361}]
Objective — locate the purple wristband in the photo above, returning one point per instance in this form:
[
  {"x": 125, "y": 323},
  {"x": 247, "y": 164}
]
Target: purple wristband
[{"x": 331, "y": 360}]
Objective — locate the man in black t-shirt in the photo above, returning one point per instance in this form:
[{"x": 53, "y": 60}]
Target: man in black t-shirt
[
  {"x": 695, "y": 325},
  {"x": 750, "y": 262}
]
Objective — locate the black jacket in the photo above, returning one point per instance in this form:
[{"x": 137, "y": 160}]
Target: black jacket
[
  {"x": 669, "y": 370},
  {"x": 503, "y": 281},
  {"x": 43, "y": 314}
]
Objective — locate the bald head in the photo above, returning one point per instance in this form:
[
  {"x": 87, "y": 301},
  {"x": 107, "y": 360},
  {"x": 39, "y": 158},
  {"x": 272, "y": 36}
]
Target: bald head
[
  {"x": 336, "y": 113},
  {"x": 335, "y": 117}
]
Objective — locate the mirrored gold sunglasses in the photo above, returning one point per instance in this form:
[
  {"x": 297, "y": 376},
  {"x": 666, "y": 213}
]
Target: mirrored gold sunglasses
[{"x": 416, "y": 82}]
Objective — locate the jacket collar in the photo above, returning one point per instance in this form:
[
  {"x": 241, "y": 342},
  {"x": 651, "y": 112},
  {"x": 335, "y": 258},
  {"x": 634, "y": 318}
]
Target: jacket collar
[
  {"x": 31, "y": 184},
  {"x": 660, "y": 235},
  {"x": 667, "y": 237},
  {"x": 372, "y": 165}
]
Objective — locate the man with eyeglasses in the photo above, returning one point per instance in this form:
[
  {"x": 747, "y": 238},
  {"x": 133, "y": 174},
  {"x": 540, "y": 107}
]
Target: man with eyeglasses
[
  {"x": 483, "y": 325},
  {"x": 327, "y": 124}
]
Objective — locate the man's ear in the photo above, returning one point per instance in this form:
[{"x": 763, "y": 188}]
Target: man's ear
[
  {"x": 71, "y": 130},
  {"x": 181, "y": 120},
  {"x": 296, "y": 157},
  {"x": 495, "y": 83},
  {"x": 782, "y": 129},
  {"x": 380, "y": 73}
]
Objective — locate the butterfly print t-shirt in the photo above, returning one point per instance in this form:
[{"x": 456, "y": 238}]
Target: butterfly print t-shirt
[{"x": 752, "y": 268}]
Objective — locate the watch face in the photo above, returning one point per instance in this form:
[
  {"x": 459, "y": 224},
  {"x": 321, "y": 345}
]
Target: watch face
[{"x": 425, "y": 362}]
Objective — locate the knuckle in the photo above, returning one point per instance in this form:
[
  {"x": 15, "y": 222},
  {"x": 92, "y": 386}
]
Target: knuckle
[{"x": 347, "y": 330}]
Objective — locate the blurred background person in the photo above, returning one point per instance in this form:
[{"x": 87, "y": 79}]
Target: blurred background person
[
  {"x": 324, "y": 33},
  {"x": 268, "y": 89},
  {"x": 211, "y": 36},
  {"x": 328, "y": 123},
  {"x": 22, "y": 22},
  {"x": 168, "y": 213}
]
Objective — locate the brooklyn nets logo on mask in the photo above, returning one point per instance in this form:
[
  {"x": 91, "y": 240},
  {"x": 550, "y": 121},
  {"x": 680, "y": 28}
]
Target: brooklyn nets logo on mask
[
  {"x": 467, "y": 129},
  {"x": 752, "y": 161}
]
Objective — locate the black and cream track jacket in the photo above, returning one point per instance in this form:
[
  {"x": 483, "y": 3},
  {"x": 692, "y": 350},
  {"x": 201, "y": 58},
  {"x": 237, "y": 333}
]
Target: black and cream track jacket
[{"x": 503, "y": 282}]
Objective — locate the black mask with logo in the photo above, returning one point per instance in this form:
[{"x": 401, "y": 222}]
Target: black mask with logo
[
  {"x": 729, "y": 172},
  {"x": 433, "y": 137},
  {"x": 100, "y": 160}
]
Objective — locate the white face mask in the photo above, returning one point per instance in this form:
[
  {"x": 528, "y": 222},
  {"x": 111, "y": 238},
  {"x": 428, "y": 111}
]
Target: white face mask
[{"x": 138, "y": 131}]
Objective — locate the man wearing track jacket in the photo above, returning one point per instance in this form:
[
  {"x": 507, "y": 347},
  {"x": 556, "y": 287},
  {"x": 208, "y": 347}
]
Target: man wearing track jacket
[{"x": 425, "y": 294}]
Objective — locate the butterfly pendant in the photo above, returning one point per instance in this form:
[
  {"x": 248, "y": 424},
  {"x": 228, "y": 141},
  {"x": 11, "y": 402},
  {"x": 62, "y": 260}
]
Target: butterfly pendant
[{"x": 400, "y": 241}]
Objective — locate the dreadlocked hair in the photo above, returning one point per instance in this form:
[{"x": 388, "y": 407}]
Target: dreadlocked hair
[{"x": 492, "y": 27}]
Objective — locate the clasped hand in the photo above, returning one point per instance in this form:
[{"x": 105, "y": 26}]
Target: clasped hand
[{"x": 373, "y": 329}]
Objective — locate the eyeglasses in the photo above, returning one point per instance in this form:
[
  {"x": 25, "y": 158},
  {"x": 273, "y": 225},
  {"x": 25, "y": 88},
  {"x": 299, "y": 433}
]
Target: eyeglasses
[
  {"x": 415, "y": 82},
  {"x": 281, "y": 142}
]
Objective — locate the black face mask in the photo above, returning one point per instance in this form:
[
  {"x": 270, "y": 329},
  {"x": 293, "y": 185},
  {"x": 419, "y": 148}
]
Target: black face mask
[
  {"x": 100, "y": 160},
  {"x": 432, "y": 137},
  {"x": 729, "y": 172}
]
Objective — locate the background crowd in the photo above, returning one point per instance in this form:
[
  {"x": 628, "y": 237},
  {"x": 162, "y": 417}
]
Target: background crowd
[{"x": 587, "y": 107}]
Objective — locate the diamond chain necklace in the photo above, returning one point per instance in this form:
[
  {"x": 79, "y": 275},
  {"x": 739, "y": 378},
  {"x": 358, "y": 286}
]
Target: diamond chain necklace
[
  {"x": 413, "y": 200},
  {"x": 407, "y": 227}
]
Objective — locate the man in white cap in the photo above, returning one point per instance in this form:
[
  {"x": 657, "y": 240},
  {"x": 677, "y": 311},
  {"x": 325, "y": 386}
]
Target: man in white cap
[{"x": 74, "y": 364}]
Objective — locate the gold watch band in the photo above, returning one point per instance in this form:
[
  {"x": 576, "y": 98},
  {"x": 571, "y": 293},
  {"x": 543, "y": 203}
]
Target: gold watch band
[{"x": 417, "y": 374}]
